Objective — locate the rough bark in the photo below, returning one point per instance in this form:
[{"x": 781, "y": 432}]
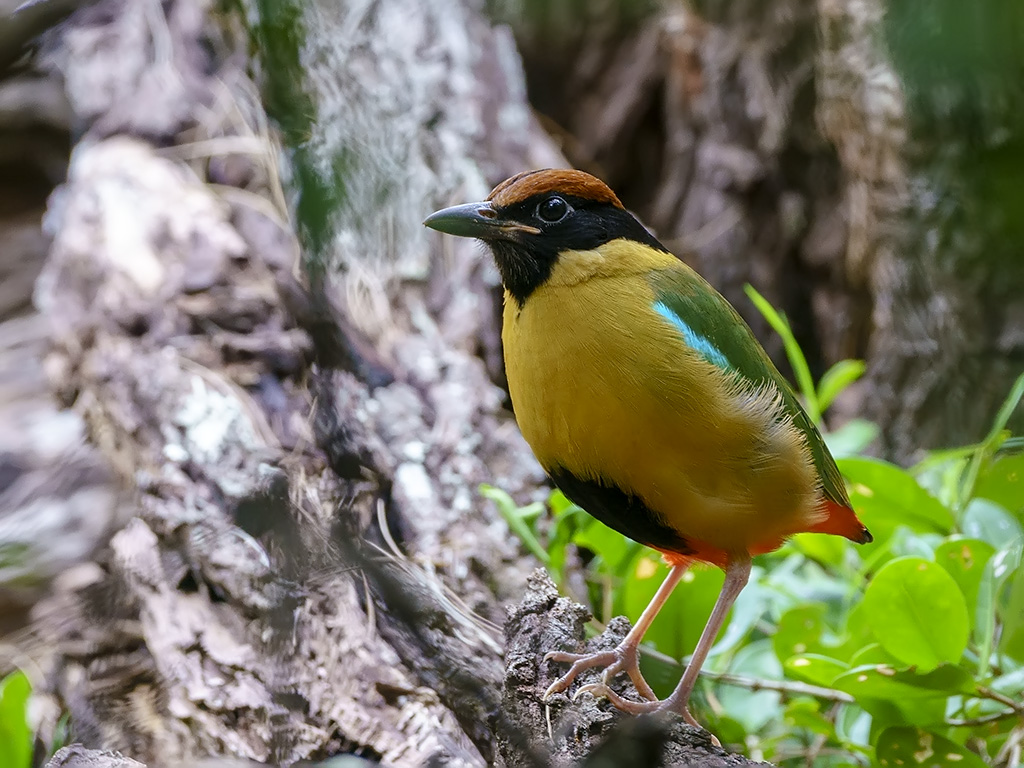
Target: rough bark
[
  {"x": 177, "y": 339},
  {"x": 589, "y": 731},
  {"x": 58, "y": 495},
  {"x": 308, "y": 570},
  {"x": 77, "y": 756}
]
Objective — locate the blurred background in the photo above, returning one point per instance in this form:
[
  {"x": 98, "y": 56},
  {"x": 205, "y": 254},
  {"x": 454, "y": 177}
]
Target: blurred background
[{"x": 233, "y": 362}]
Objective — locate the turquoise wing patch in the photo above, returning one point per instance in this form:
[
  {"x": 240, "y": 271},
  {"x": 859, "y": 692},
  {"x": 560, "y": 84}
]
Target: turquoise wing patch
[{"x": 702, "y": 345}]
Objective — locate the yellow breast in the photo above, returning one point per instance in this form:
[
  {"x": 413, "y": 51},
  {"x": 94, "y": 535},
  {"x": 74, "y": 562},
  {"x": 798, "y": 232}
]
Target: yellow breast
[{"x": 603, "y": 387}]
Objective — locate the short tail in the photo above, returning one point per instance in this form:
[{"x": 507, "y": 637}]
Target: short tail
[{"x": 842, "y": 521}]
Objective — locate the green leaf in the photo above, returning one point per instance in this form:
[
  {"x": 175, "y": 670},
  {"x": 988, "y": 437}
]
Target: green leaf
[
  {"x": 1011, "y": 612},
  {"x": 886, "y": 496},
  {"x": 853, "y": 725},
  {"x": 873, "y": 654},
  {"x": 837, "y": 378},
  {"x": 905, "y": 746},
  {"x": 986, "y": 520},
  {"x": 1003, "y": 482},
  {"x": 852, "y": 438},
  {"x": 906, "y": 543},
  {"x": 613, "y": 550},
  {"x": 884, "y": 714},
  {"x": 921, "y": 711},
  {"x": 560, "y": 505},
  {"x": 799, "y": 631},
  {"x": 516, "y": 518},
  {"x": 917, "y": 613},
  {"x": 805, "y": 712},
  {"x": 62, "y": 733},
  {"x": 941, "y": 474},
  {"x": 965, "y": 560},
  {"x": 828, "y": 550},
  {"x": 814, "y": 668},
  {"x": 568, "y": 519},
  {"x": 1010, "y": 684},
  {"x": 1000, "y": 567},
  {"x": 1006, "y": 409},
  {"x": 882, "y": 681},
  {"x": 856, "y": 634},
  {"x": 992, "y": 442},
  {"x": 924, "y": 712},
  {"x": 15, "y": 733}
]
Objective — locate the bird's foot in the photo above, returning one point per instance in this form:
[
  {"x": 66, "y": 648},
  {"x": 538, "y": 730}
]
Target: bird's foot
[
  {"x": 624, "y": 658},
  {"x": 599, "y": 690}
]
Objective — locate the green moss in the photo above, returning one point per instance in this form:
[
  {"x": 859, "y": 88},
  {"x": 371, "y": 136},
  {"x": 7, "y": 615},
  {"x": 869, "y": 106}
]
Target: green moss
[{"x": 277, "y": 36}]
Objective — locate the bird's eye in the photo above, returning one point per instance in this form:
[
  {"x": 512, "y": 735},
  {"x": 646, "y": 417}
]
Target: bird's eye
[{"x": 552, "y": 210}]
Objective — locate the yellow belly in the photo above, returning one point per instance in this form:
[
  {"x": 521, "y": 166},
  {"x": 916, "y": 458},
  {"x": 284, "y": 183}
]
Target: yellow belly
[{"x": 604, "y": 388}]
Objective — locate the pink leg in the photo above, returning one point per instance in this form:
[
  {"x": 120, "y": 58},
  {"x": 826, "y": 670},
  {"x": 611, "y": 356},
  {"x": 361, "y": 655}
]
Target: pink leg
[
  {"x": 737, "y": 572},
  {"x": 625, "y": 657}
]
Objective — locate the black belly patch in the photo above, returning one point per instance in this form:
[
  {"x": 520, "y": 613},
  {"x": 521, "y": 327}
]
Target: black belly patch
[{"x": 620, "y": 511}]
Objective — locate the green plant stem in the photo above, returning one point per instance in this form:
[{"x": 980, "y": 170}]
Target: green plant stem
[
  {"x": 1016, "y": 709},
  {"x": 780, "y": 686},
  {"x": 973, "y": 722},
  {"x": 796, "y": 357},
  {"x": 516, "y": 519},
  {"x": 983, "y": 692},
  {"x": 522, "y": 530},
  {"x": 758, "y": 683}
]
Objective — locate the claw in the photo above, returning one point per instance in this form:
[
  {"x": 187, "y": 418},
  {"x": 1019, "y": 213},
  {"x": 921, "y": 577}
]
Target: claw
[
  {"x": 580, "y": 662},
  {"x": 623, "y": 658}
]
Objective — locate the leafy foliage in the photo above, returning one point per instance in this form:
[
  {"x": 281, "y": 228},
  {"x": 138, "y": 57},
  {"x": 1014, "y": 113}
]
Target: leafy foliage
[
  {"x": 906, "y": 651},
  {"x": 15, "y": 732}
]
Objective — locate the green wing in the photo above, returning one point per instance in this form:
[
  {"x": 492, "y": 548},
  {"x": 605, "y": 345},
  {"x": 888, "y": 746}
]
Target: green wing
[{"x": 711, "y": 327}]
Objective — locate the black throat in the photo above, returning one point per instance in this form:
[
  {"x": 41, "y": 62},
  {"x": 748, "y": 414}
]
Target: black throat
[{"x": 526, "y": 263}]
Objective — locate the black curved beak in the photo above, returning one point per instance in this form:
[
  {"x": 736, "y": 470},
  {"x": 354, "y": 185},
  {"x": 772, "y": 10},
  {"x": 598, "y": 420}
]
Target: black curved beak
[{"x": 478, "y": 220}]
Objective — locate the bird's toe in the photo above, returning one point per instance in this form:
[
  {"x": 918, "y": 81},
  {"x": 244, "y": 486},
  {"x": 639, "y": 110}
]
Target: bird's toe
[
  {"x": 600, "y": 690},
  {"x": 580, "y": 662}
]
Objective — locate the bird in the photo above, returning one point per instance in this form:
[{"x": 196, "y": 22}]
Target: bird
[{"x": 648, "y": 401}]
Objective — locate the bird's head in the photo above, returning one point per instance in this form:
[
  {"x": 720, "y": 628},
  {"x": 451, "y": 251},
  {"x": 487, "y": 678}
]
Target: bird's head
[{"x": 532, "y": 218}]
